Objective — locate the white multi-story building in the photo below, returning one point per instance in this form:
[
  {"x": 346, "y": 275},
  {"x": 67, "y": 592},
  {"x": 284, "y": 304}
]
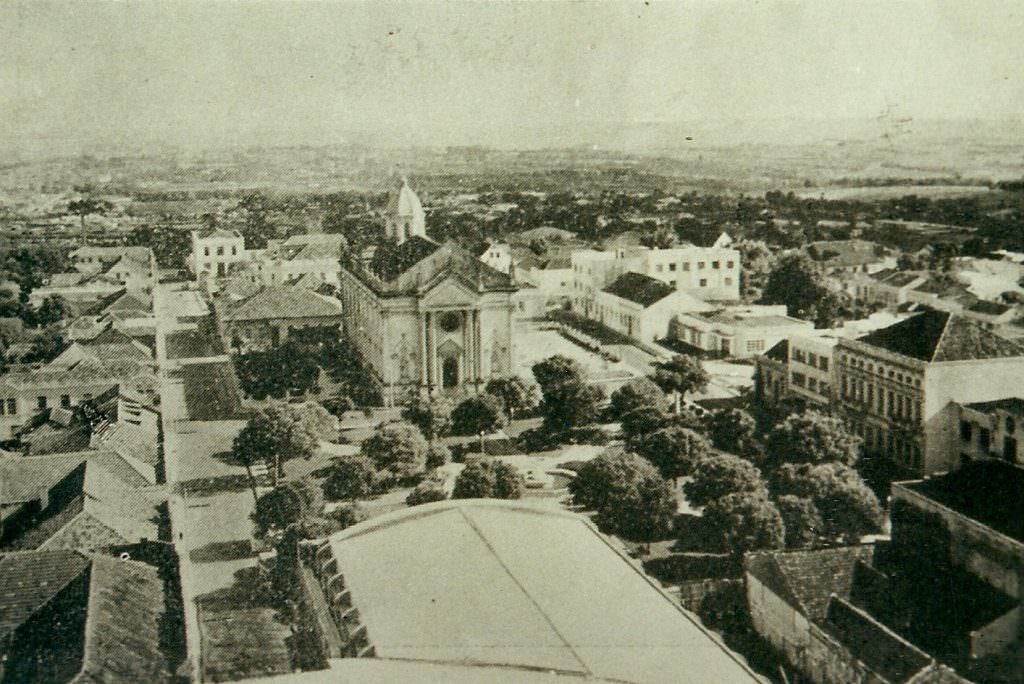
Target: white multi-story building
[
  {"x": 215, "y": 251},
  {"x": 708, "y": 273}
]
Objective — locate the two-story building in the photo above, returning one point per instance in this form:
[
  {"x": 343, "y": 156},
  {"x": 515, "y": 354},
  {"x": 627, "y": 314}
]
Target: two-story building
[
  {"x": 898, "y": 386},
  {"x": 214, "y": 251},
  {"x": 811, "y": 369}
]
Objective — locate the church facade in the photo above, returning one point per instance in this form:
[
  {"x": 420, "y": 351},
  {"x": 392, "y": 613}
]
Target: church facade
[{"x": 427, "y": 318}]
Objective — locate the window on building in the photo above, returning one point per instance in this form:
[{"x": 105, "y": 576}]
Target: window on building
[
  {"x": 234, "y": 250},
  {"x": 730, "y": 264},
  {"x": 798, "y": 379},
  {"x": 716, "y": 264},
  {"x": 41, "y": 402},
  {"x": 659, "y": 268},
  {"x": 65, "y": 401},
  {"x": 755, "y": 345},
  {"x": 1010, "y": 425},
  {"x": 985, "y": 438},
  {"x": 812, "y": 359},
  {"x": 823, "y": 363},
  {"x": 700, "y": 265},
  {"x": 671, "y": 267},
  {"x": 728, "y": 281},
  {"x": 220, "y": 250},
  {"x": 812, "y": 384},
  {"x": 965, "y": 431},
  {"x": 206, "y": 251},
  {"x": 686, "y": 266},
  {"x": 3, "y": 404},
  {"x": 12, "y": 407},
  {"x": 703, "y": 282}
]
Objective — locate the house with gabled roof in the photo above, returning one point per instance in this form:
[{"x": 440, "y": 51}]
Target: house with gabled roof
[
  {"x": 265, "y": 319},
  {"x": 643, "y": 307},
  {"x": 80, "y": 618},
  {"x": 899, "y": 386},
  {"x": 426, "y": 317}
]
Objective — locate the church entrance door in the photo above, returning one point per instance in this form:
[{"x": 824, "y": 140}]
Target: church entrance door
[{"x": 449, "y": 372}]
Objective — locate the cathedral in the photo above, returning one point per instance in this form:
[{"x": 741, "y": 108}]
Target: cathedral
[{"x": 427, "y": 318}]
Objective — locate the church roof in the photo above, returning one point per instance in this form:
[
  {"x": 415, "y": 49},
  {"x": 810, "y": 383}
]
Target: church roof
[
  {"x": 417, "y": 263},
  {"x": 404, "y": 201}
]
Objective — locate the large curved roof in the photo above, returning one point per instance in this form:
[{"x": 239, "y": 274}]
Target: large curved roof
[{"x": 512, "y": 585}]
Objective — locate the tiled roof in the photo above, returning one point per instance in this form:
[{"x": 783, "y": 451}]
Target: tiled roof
[
  {"x": 806, "y": 579},
  {"x": 122, "y": 630},
  {"x": 1014, "y": 405},
  {"x": 769, "y": 321},
  {"x": 938, "y": 336},
  {"x": 558, "y": 263},
  {"x": 872, "y": 643},
  {"x": 134, "y": 301},
  {"x": 894, "y": 278},
  {"x": 22, "y": 478},
  {"x": 639, "y": 288},
  {"x": 282, "y": 302},
  {"x": 29, "y": 580},
  {"x": 390, "y": 263},
  {"x": 417, "y": 263},
  {"x": 67, "y": 279},
  {"x": 137, "y": 254}
]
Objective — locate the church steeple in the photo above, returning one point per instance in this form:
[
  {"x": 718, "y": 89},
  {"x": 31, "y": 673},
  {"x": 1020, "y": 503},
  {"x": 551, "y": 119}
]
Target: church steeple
[{"x": 404, "y": 216}]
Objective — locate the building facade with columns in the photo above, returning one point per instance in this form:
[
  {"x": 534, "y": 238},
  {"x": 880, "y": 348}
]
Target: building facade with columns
[{"x": 427, "y": 318}]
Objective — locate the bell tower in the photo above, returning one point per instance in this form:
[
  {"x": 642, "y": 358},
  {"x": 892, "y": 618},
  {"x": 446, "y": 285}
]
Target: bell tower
[{"x": 404, "y": 216}]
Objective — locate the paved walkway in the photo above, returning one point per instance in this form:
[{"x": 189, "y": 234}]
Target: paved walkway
[{"x": 210, "y": 512}]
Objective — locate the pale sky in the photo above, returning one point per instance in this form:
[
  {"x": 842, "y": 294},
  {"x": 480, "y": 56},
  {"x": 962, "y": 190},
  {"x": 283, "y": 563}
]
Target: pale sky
[{"x": 460, "y": 73}]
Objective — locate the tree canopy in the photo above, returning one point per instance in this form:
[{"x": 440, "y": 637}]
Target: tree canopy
[
  {"x": 285, "y": 505},
  {"x": 397, "y": 450},
  {"x": 802, "y": 520},
  {"x": 516, "y": 394},
  {"x": 722, "y": 474},
  {"x": 848, "y": 507},
  {"x": 568, "y": 401},
  {"x": 480, "y": 414},
  {"x": 733, "y": 430},
  {"x": 812, "y": 437},
  {"x": 635, "y": 394},
  {"x": 745, "y": 521},
  {"x": 279, "y": 432},
  {"x": 349, "y": 477},
  {"x": 674, "y": 450},
  {"x": 432, "y": 416},
  {"x": 630, "y": 496},
  {"x": 681, "y": 375}
]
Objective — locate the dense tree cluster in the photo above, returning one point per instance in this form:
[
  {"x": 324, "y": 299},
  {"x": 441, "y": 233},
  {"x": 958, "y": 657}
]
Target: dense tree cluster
[
  {"x": 486, "y": 478},
  {"x": 567, "y": 400}
]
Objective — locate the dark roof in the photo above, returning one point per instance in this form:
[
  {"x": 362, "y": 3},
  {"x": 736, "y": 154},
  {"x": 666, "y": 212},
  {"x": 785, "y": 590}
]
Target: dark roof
[
  {"x": 779, "y": 351},
  {"x": 211, "y": 391},
  {"x": 881, "y": 649},
  {"x": 806, "y": 579},
  {"x": 990, "y": 308},
  {"x": 418, "y": 263},
  {"x": 845, "y": 252},
  {"x": 1014, "y": 405},
  {"x": 389, "y": 263},
  {"x": 122, "y": 631},
  {"x": 29, "y": 580},
  {"x": 283, "y": 302},
  {"x": 988, "y": 491},
  {"x": 23, "y": 478},
  {"x": 639, "y": 288},
  {"x": 937, "y": 336}
]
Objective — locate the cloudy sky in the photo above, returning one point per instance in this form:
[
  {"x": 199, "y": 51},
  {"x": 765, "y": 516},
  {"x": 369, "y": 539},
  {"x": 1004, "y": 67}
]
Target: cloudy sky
[{"x": 207, "y": 72}]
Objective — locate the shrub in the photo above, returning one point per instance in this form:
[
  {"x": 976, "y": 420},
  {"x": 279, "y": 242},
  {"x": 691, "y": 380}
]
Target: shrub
[
  {"x": 397, "y": 449},
  {"x": 488, "y": 479},
  {"x": 484, "y": 413},
  {"x": 425, "y": 492},
  {"x": 437, "y": 456},
  {"x": 348, "y": 515}
]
